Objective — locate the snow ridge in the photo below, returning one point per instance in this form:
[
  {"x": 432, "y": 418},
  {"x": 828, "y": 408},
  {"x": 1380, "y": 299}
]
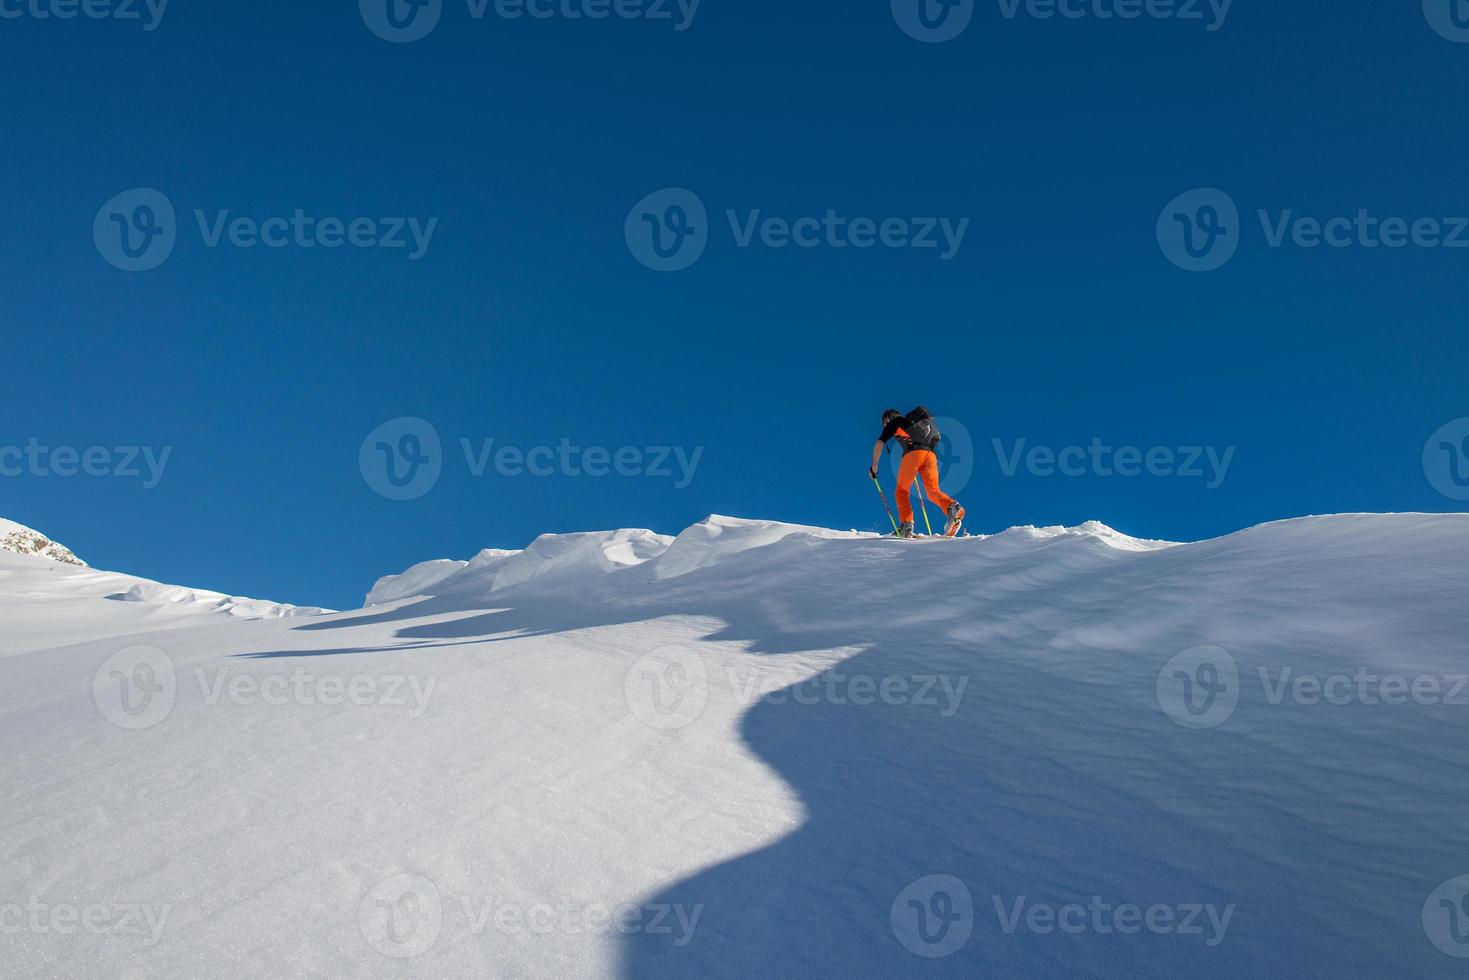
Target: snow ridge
[
  {"x": 592, "y": 560},
  {"x": 57, "y": 595}
]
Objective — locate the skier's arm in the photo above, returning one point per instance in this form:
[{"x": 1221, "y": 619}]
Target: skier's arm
[
  {"x": 876, "y": 458},
  {"x": 888, "y": 431}
]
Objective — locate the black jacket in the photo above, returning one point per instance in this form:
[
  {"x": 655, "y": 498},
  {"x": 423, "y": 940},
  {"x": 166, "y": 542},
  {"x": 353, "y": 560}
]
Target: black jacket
[{"x": 915, "y": 430}]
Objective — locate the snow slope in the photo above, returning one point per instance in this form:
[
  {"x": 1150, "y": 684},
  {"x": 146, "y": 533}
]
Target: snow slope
[
  {"x": 761, "y": 750},
  {"x": 50, "y": 601}
]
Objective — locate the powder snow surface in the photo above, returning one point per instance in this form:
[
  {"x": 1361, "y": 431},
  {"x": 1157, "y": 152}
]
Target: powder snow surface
[{"x": 627, "y": 755}]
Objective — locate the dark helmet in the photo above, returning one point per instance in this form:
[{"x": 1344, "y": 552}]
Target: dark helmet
[{"x": 889, "y": 414}]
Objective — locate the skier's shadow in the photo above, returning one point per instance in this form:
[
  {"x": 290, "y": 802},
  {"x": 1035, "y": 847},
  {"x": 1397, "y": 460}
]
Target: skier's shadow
[
  {"x": 922, "y": 832},
  {"x": 929, "y": 835}
]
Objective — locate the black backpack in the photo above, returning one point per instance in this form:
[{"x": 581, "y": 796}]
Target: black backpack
[{"x": 922, "y": 430}]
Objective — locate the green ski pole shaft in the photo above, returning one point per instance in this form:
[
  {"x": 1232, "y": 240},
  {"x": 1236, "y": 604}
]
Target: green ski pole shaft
[
  {"x": 918, "y": 485},
  {"x": 885, "y": 506}
]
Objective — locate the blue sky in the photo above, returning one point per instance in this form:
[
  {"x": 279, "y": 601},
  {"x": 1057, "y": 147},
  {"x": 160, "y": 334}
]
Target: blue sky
[{"x": 524, "y": 144}]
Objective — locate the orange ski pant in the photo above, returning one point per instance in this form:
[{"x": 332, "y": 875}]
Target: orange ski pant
[{"x": 920, "y": 463}]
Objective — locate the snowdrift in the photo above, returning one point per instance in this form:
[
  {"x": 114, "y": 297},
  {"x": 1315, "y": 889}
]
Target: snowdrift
[
  {"x": 582, "y": 560},
  {"x": 204, "y": 601},
  {"x": 49, "y": 598},
  {"x": 756, "y": 749}
]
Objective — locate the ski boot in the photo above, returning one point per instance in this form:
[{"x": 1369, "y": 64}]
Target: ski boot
[
  {"x": 905, "y": 529},
  {"x": 956, "y": 520}
]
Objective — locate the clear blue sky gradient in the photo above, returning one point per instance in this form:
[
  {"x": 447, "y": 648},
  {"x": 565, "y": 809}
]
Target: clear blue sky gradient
[{"x": 1060, "y": 321}]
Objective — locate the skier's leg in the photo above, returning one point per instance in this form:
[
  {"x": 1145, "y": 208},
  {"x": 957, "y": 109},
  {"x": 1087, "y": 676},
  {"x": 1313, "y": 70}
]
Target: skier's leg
[
  {"x": 951, "y": 507},
  {"x": 906, "y": 473},
  {"x": 930, "y": 473}
]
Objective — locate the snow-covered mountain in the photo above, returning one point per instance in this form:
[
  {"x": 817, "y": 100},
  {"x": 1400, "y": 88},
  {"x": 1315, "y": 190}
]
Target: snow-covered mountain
[
  {"x": 21, "y": 540},
  {"x": 760, "y": 750},
  {"x": 50, "y": 598}
]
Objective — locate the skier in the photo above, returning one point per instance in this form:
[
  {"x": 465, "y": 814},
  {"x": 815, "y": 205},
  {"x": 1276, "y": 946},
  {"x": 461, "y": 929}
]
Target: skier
[{"x": 919, "y": 436}]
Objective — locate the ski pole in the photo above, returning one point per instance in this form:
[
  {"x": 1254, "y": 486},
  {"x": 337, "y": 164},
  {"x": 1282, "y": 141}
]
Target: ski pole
[
  {"x": 918, "y": 485},
  {"x": 885, "y": 506}
]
